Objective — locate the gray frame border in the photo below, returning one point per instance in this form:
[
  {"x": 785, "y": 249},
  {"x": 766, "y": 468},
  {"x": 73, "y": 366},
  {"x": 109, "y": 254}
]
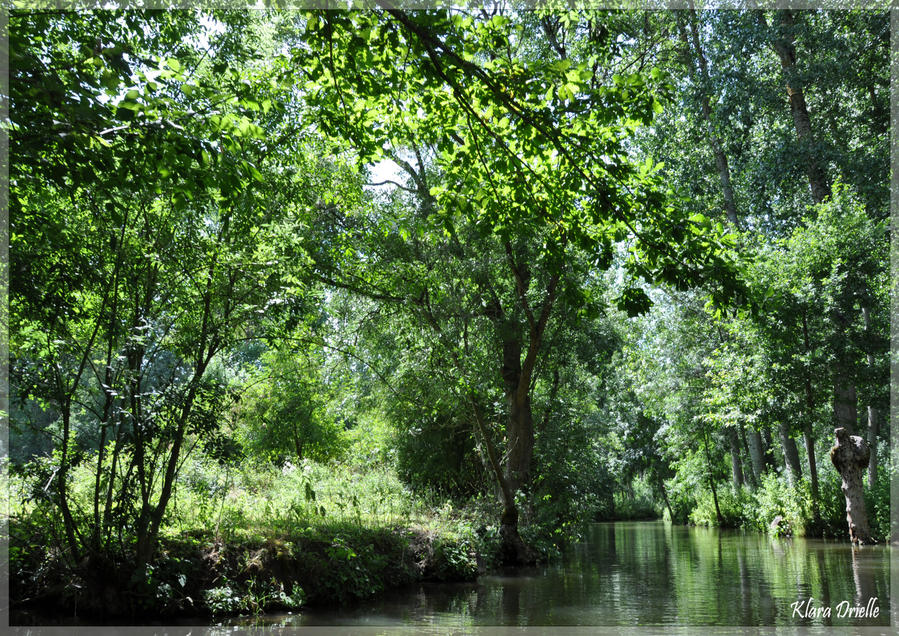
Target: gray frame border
[{"x": 75, "y": 5}]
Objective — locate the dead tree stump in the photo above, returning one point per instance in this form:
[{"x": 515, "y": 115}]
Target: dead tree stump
[{"x": 850, "y": 456}]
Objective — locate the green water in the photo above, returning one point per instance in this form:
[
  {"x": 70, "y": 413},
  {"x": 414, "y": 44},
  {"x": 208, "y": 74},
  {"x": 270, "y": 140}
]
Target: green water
[{"x": 649, "y": 573}]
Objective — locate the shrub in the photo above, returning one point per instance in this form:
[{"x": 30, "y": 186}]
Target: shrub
[
  {"x": 574, "y": 484},
  {"x": 877, "y": 502},
  {"x": 776, "y": 497},
  {"x": 639, "y": 507},
  {"x": 735, "y": 508}
]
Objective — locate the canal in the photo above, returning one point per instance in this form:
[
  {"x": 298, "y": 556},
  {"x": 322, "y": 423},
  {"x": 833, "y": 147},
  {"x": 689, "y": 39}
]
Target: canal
[{"x": 648, "y": 573}]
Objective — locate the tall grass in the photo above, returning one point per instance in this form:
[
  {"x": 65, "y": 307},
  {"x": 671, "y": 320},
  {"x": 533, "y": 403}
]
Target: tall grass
[{"x": 264, "y": 500}]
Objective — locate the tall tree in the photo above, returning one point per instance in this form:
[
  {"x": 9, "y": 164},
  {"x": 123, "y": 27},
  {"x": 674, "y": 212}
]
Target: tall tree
[
  {"x": 138, "y": 234},
  {"x": 525, "y": 150}
]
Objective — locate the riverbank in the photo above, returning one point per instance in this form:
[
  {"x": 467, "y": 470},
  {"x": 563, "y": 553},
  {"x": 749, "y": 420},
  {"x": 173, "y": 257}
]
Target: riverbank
[
  {"x": 781, "y": 509},
  {"x": 637, "y": 574},
  {"x": 200, "y": 575},
  {"x": 255, "y": 540},
  {"x": 260, "y": 538}
]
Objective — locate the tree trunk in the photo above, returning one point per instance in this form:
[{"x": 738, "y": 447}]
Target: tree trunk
[
  {"x": 665, "y": 497},
  {"x": 708, "y": 458},
  {"x": 61, "y": 476},
  {"x": 873, "y": 426},
  {"x": 850, "y": 456},
  {"x": 845, "y": 400},
  {"x": 807, "y": 420},
  {"x": 767, "y": 449},
  {"x": 699, "y": 69},
  {"x": 791, "y": 455},
  {"x": 873, "y": 422},
  {"x": 812, "y": 470},
  {"x": 715, "y": 499},
  {"x": 521, "y": 441},
  {"x": 785, "y": 46},
  {"x": 513, "y": 548},
  {"x": 736, "y": 462},
  {"x": 756, "y": 454},
  {"x": 750, "y": 479},
  {"x": 518, "y": 374},
  {"x": 520, "y": 422}
]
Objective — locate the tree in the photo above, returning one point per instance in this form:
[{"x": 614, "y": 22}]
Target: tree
[
  {"x": 772, "y": 153},
  {"x": 136, "y": 234},
  {"x": 515, "y": 159},
  {"x": 284, "y": 410}
]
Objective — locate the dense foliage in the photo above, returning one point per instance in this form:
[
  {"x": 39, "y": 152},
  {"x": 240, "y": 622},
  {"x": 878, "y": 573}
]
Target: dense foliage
[{"x": 321, "y": 286}]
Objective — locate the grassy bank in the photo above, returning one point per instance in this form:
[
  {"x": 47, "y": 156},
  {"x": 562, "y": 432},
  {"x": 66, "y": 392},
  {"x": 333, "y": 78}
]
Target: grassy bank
[{"x": 252, "y": 539}]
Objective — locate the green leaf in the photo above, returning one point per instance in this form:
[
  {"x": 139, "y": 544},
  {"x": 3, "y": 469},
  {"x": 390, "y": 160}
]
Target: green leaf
[{"x": 634, "y": 301}]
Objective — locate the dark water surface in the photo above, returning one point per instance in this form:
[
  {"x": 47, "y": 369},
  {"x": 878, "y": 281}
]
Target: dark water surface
[{"x": 649, "y": 573}]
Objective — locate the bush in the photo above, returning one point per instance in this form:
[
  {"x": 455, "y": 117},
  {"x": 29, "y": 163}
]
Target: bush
[
  {"x": 877, "y": 502},
  {"x": 682, "y": 499},
  {"x": 574, "y": 485},
  {"x": 639, "y": 507},
  {"x": 438, "y": 454},
  {"x": 832, "y": 507},
  {"x": 371, "y": 441},
  {"x": 736, "y": 509},
  {"x": 775, "y": 498},
  {"x": 284, "y": 413}
]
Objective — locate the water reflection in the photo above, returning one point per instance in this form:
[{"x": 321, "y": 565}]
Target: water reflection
[{"x": 652, "y": 574}]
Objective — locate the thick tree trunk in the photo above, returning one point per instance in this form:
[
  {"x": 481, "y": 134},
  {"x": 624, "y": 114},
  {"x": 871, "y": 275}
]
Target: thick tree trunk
[
  {"x": 518, "y": 374},
  {"x": 513, "y": 548},
  {"x": 850, "y": 456},
  {"x": 520, "y": 422},
  {"x": 521, "y": 441},
  {"x": 845, "y": 400},
  {"x": 756, "y": 454},
  {"x": 791, "y": 455}
]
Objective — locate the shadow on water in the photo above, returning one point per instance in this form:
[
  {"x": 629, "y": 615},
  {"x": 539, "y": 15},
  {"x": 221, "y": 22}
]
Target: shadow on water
[{"x": 650, "y": 573}]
